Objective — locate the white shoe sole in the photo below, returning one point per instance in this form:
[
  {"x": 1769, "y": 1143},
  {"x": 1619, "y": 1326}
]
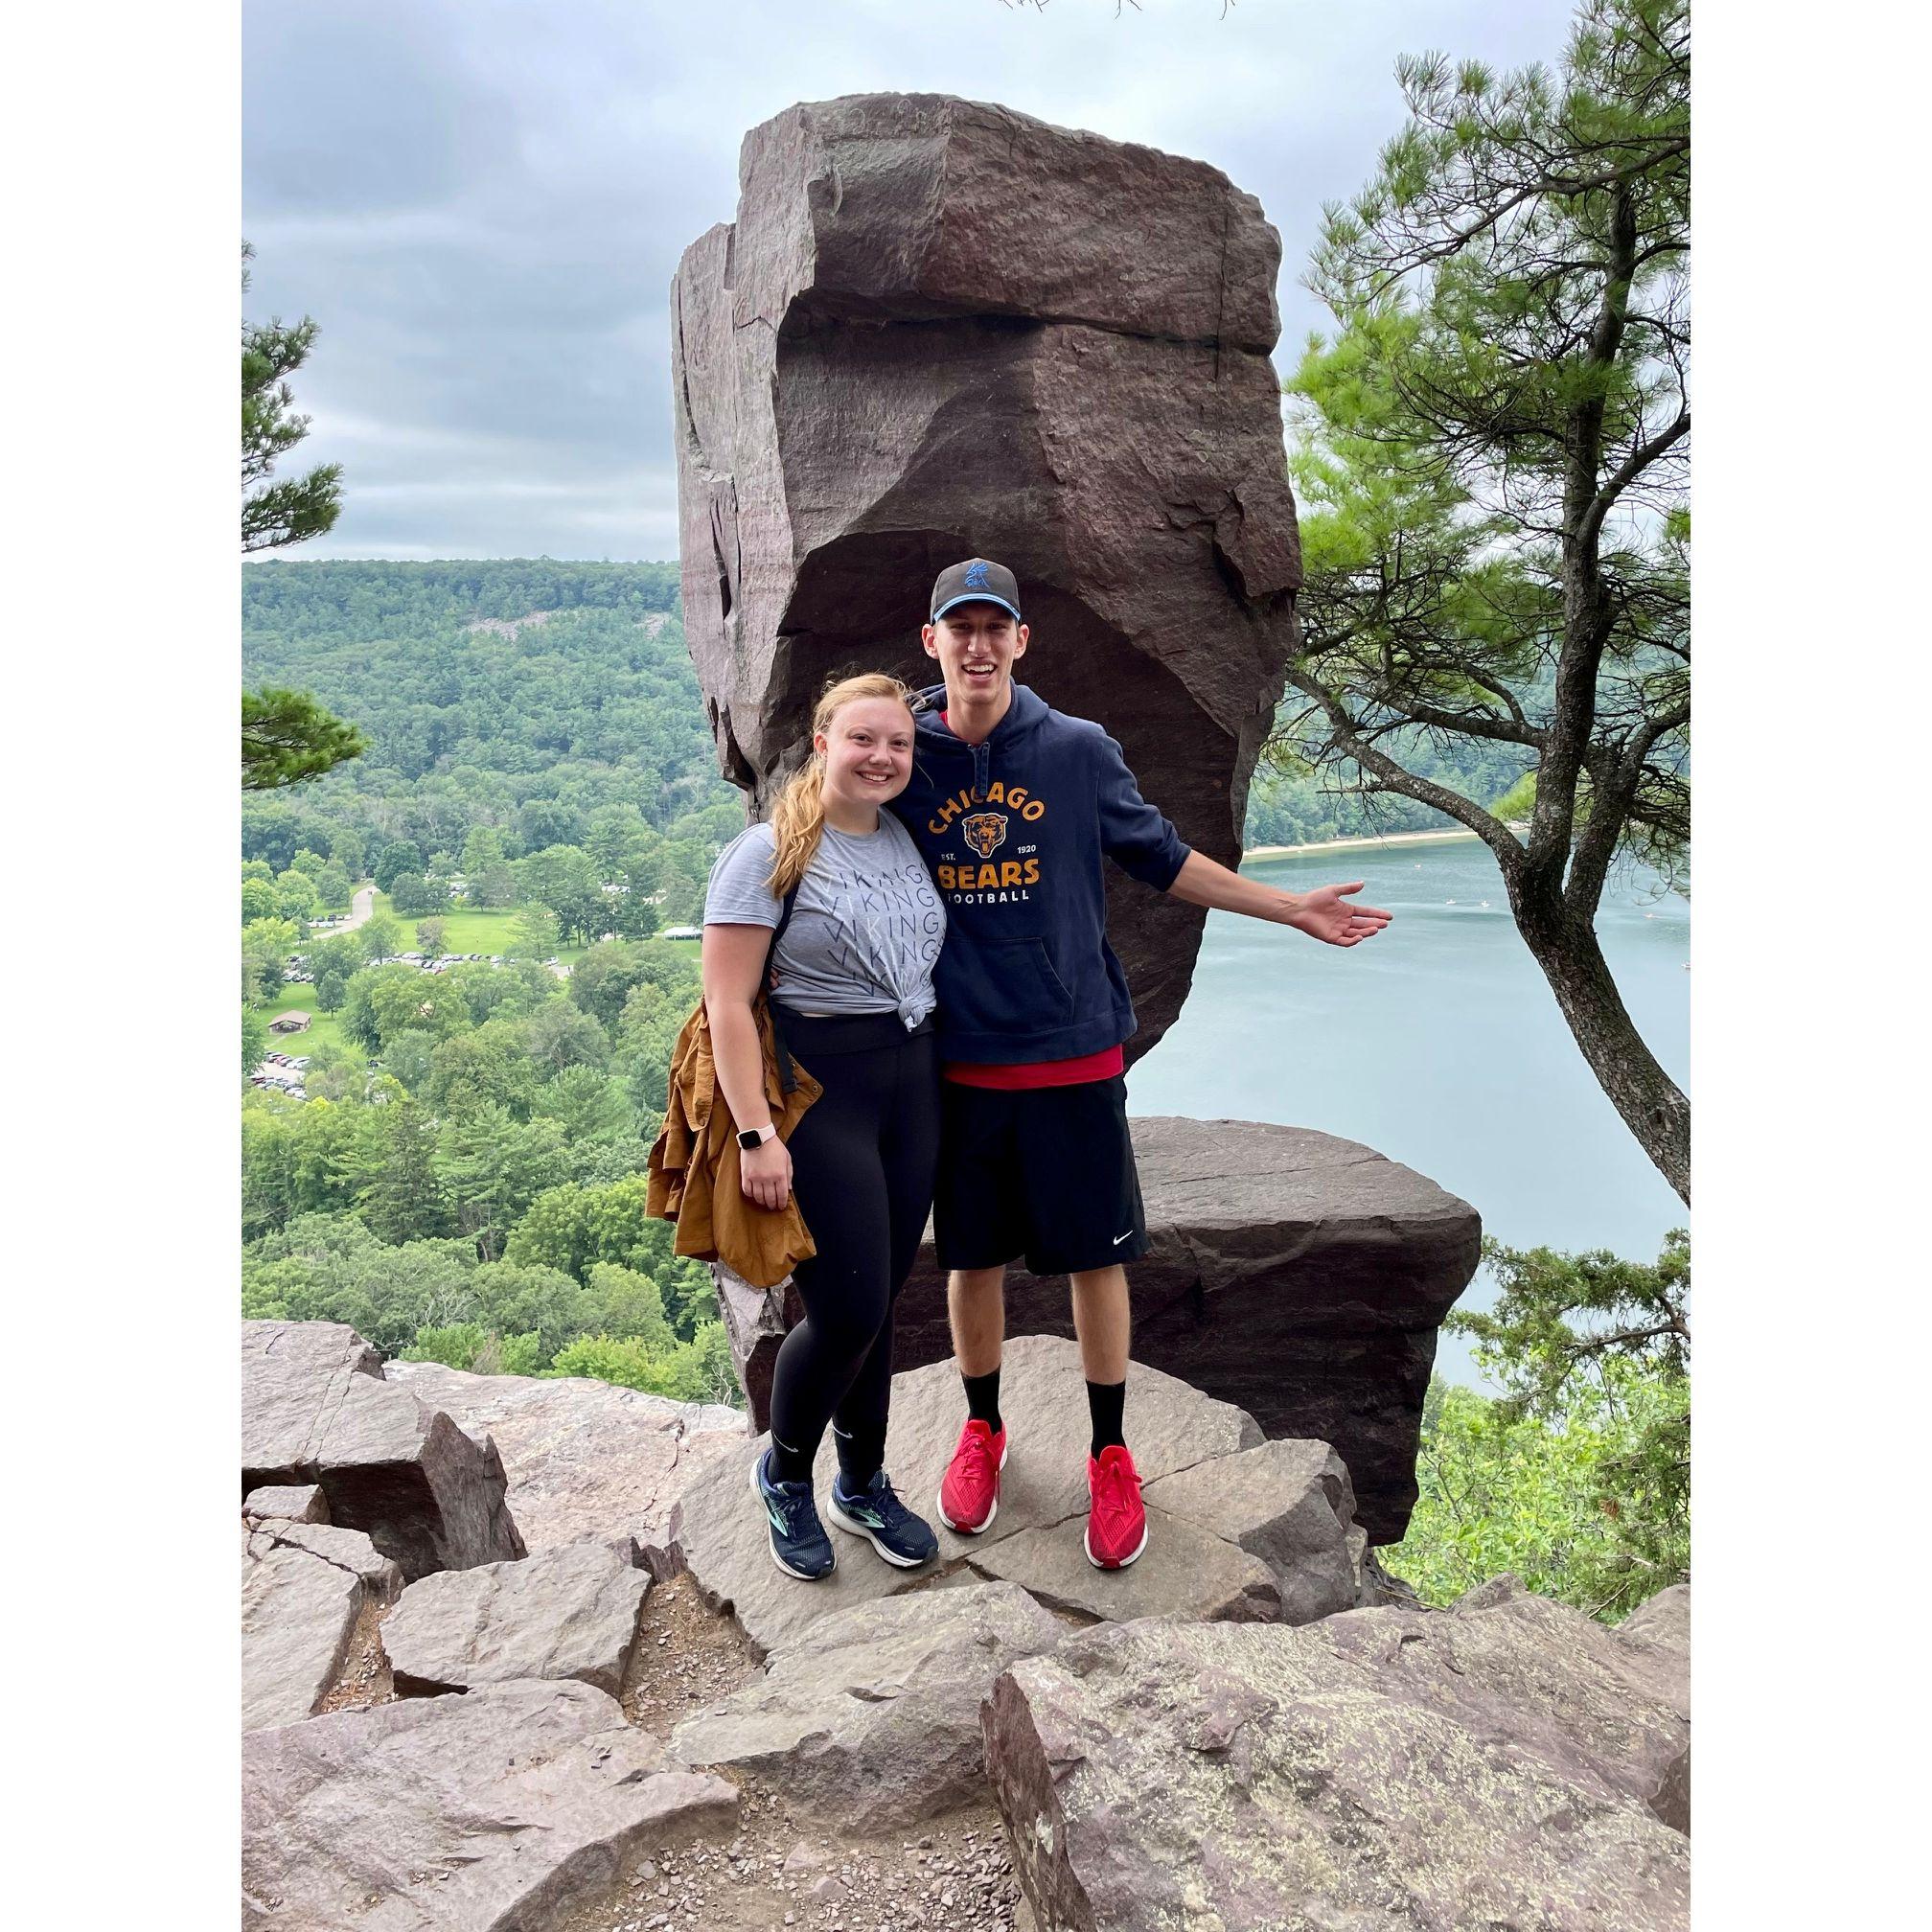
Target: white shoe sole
[
  {"x": 771, "y": 1541},
  {"x": 939, "y": 1506},
  {"x": 1123, "y": 1562},
  {"x": 854, "y": 1527}
]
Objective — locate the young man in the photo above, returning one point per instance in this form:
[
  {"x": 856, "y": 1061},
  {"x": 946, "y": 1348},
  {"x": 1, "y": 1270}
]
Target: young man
[{"x": 1013, "y": 806}]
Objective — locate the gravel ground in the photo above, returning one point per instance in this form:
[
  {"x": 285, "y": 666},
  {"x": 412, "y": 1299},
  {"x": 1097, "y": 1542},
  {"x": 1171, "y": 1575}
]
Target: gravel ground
[
  {"x": 687, "y": 1658},
  {"x": 777, "y": 1875}
]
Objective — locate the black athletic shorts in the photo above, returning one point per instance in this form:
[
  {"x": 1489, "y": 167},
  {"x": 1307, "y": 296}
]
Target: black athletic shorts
[{"x": 1044, "y": 1172}]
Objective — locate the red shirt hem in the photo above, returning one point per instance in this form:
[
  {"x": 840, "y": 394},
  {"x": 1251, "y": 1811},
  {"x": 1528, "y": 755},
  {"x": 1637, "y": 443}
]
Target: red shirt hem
[{"x": 1101, "y": 1066}]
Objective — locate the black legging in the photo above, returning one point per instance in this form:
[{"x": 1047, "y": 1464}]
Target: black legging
[{"x": 865, "y": 1155}]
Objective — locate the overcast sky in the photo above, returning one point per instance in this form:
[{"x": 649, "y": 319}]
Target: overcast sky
[{"x": 482, "y": 202}]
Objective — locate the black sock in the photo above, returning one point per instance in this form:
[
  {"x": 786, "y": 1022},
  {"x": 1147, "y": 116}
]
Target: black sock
[
  {"x": 1105, "y": 1401},
  {"x": 789, "y": 1465},
  {"x": 982, "y": 1399},
  {"x": 861, "y": 1454}
]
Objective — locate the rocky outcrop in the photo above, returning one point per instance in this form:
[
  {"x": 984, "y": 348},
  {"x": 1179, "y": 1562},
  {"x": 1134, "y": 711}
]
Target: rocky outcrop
[
  {"x": 584, "y": 1458},
  {"x": 1494, "y": 1765},
  {"x": 1297, "y": 1275},
  {"x": 562, "y": 1613},
  {"x": 940, "y": 329},
  {"x": 1290, "y": 1505},
  {"x": 316, "y": 1408},
  {"x": 719, "y": 1534},
  {"x": 871, "y": 1718},
  {"x": 490, "y": 1812},
  {"x": 304, "y": 1587}
]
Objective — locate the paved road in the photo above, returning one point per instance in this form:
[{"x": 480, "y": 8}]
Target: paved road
[{"x": 360, "y": 908}]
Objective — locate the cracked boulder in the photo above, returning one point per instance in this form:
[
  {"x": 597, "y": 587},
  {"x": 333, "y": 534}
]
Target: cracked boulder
[
  {"x": 939, "y": 328},
  {"x": 1288, "y": 1504},
  {"x": 584, "y": 1458},
  {"x": 492, "y": 1813},
  {"x": 1299, "y": 1277},
  {"x": 719, "y": 1533},
  {"x": 304, "y": 1585},
  {"x": 568, "y": 1612},
  {"x": 871, "y": 1718},
  {"x": 316, "y": 1408},
  {"x": 1494, "y": 1765}
]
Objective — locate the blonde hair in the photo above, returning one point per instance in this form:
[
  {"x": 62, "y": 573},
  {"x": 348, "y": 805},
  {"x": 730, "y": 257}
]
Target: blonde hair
[{"x": 798, "y": 813}]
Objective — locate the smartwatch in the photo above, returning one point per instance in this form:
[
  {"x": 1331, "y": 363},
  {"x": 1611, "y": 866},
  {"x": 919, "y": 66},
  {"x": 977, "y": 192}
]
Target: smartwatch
[{"x": 749, "y": 1137}]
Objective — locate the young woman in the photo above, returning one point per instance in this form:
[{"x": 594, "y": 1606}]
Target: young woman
[{"x": 852, "y": 999}]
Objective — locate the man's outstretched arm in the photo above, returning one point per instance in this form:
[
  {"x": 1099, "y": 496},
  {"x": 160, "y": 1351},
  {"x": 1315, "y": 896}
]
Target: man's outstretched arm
[{"x": 1323, "y": 914}]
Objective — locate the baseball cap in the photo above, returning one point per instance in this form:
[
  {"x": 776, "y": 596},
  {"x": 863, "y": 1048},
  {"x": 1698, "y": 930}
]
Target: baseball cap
[{"x": 976, "y": 582}]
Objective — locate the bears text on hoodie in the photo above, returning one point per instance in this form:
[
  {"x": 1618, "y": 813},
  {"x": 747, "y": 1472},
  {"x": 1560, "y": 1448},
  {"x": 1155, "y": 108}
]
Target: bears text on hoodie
[{"x": 1013, "y": 831}]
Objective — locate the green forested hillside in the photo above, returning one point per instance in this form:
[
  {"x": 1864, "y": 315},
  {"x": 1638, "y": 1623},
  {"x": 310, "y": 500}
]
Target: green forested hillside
[{"x": 522, "y": 696}]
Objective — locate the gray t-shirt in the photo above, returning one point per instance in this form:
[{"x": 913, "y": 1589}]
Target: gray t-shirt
[{"x": 865, "y": 927}]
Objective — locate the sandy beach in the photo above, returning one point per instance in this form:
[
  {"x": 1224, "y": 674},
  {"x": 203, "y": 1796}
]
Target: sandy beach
[{"x": 1346, "y": 844}]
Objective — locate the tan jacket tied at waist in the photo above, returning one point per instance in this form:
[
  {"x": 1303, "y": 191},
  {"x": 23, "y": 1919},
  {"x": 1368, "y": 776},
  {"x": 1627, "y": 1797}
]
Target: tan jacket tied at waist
[{"x": 695, "y": 1178}]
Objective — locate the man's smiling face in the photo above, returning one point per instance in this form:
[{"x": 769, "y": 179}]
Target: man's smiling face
[{"x": 976, "y": 646}]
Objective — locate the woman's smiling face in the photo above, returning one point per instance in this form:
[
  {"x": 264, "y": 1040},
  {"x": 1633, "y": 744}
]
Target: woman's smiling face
[{"x": 867, "y": 749}]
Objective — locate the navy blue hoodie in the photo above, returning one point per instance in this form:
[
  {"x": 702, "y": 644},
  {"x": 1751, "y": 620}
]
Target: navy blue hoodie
[{"x": 1013, "y": 831}]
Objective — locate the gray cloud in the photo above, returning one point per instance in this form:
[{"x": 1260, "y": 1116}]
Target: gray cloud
[{"x": 482, "y": 202}]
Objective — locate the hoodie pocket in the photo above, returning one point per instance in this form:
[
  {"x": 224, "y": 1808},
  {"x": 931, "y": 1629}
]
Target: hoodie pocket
[{"x": 1005, "y": 986}]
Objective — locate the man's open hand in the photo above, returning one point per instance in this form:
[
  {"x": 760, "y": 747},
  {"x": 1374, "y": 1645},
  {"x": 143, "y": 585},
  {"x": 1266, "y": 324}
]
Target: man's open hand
[{"x": 1324, "y": 915}]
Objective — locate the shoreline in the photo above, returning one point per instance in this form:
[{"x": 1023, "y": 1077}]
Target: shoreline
[{"x": 1362, "y": 841}]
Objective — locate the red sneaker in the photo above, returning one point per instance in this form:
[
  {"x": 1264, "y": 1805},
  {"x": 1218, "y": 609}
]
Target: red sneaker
[
  {"x": 1116, "y": 1528},
  {"x": 969, "y": 1496}
]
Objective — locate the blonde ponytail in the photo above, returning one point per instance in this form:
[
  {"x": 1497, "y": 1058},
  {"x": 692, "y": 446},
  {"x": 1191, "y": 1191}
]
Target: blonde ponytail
[{"x": 799, "y": 811}]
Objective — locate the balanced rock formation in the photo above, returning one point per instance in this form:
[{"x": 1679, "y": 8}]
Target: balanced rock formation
[
  {"x": 940, "y": 329},
  {"x": 1299, "y": 1277},
  {"x": 1496, "y": 1765},
  {"x": 1190, "y": 1568},
  {"x": 316, "y": 1408}
]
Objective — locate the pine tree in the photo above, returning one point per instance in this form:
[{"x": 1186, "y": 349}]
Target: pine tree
[
  {"x": 1494, "y": 474},
  {"x": 285, "y": 735}
]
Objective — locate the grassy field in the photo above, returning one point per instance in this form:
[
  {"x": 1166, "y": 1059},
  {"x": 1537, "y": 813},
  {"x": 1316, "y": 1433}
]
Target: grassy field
[{"x": 470, "y": 930}]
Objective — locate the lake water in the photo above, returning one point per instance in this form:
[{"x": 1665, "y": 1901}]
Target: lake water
[{"x": 1439, "y": 1045}]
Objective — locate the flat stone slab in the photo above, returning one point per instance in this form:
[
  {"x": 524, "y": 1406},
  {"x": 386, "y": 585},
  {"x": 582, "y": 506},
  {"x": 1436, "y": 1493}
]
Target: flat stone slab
[
  {"x": 1379, "y": 1770},
  {"x": 870, "y": 1719},
  {"x": 313, "y": 1410},
  {"x": 295, "y": 1376},
  {"x": 302, "y": 1586},
  {"x": 1184, "y": 1570},
  {"x": 498, "y": 1812},
  {"x": 1288, "y": 1503},
  {"x": 569, "y": 1613},
  {"x": 719, "y": 1534},
  {"x": 292, "y": 1502},
  {"x": 583, "y": 1458}
]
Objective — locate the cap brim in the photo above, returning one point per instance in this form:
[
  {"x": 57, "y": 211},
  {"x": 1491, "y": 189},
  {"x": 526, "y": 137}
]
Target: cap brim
[{"x": 977, "y": 597}]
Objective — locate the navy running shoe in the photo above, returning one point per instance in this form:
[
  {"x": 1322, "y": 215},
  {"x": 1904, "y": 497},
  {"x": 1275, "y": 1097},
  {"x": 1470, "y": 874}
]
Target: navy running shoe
[
  {"x": 799, "y": 1544},
  {"x": 875, "y": 1513}
]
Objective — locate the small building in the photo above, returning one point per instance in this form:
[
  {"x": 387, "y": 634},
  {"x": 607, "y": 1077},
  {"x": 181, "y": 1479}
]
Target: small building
[
  {"x": 683, "y": 932},
  {"x": 289, "y": 1022}
]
